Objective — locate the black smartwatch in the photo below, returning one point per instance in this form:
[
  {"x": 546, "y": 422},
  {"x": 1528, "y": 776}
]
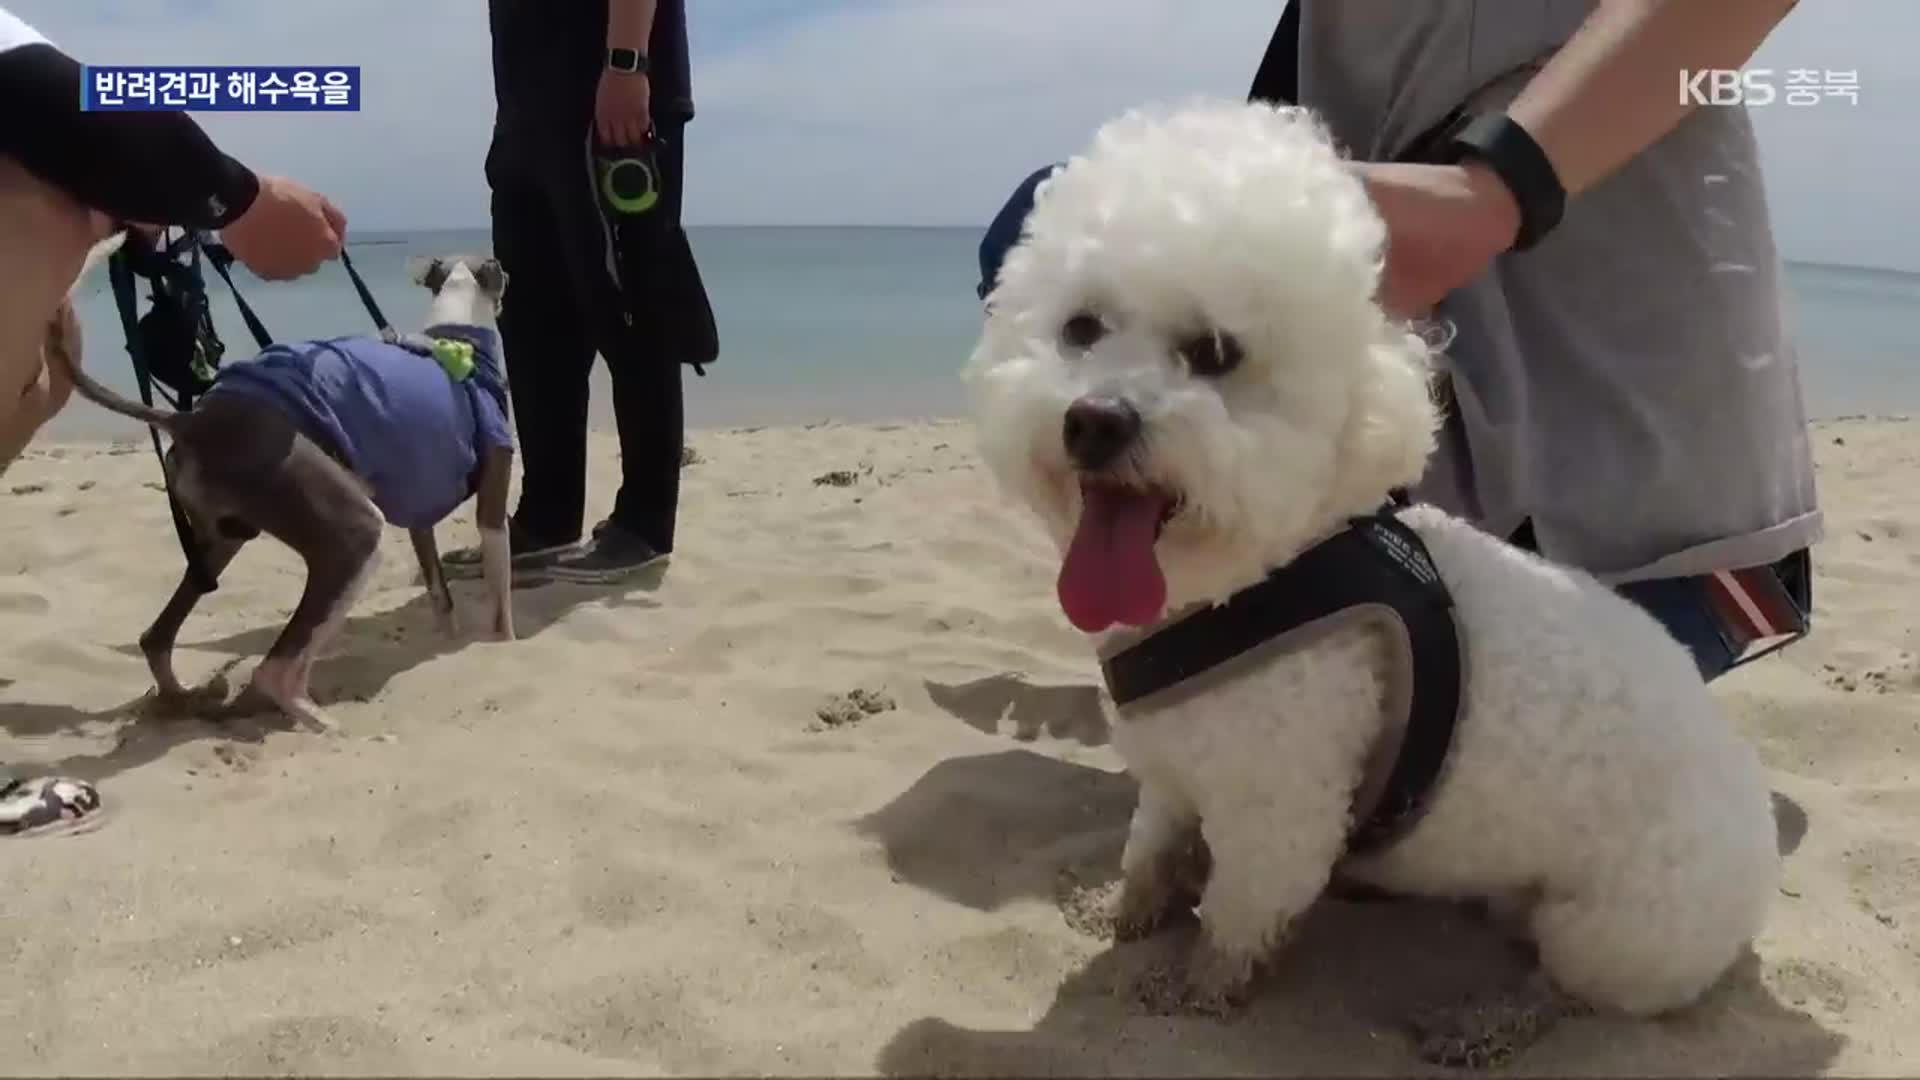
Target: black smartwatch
[
  {"x": 631, "y": 61},
  {"x": 1496, "y": 141}
]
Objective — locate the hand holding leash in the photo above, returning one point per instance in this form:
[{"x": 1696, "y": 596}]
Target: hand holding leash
[{"x": 288, "y": 231}]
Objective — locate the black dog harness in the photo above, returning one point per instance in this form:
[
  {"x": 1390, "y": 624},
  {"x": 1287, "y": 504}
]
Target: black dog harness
[{"x": 1376, "y": 566}]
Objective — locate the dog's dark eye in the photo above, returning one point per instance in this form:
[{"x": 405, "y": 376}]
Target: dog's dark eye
[
  {"x": 1082, "y": 331},
  {"x": 1211, "y": 355}
]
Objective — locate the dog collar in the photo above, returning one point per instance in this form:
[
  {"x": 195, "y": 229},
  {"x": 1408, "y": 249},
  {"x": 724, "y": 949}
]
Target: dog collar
[{"x": 1375, "y": 568}]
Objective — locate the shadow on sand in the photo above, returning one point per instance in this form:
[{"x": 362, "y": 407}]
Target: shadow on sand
[{"x": 987, "y": 830}]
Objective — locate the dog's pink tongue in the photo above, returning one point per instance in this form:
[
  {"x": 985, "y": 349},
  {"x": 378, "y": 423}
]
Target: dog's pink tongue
[{"x": 1110, "y": 574}]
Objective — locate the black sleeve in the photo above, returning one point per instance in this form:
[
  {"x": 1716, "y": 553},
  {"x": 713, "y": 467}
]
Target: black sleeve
[{"x": 153, "y": 167}]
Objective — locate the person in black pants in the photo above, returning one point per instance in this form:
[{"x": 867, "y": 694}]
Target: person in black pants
[{"x": 570, "y": 80}]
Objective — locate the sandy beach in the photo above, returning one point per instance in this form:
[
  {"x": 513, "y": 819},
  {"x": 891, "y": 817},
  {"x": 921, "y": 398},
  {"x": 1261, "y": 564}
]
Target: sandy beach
[{"x": 808, "y": 803}]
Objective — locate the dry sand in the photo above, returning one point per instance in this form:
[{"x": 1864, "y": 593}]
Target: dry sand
[{"x": 653, "y": 836}]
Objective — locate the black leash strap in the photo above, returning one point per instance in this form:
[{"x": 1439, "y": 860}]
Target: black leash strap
[
  {"x": 120, "y": 274},
  {"x": 221, "y": 258},
  {"x": 366, "y": 294}
]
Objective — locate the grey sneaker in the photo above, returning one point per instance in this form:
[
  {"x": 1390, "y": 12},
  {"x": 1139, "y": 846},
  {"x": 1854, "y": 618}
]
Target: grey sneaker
[{"x": 612, "y": 555}]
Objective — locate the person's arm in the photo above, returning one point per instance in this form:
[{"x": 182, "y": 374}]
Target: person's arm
[
  {"x": 1614, "y": 88},
  {"x": 106, "y": 160},
  {"x": 630, "y": 24},
  {"x": 623, "y": 106}
]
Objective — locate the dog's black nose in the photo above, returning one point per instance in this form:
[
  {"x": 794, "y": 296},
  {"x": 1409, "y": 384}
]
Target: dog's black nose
[{"x": 1098, "y": 430}]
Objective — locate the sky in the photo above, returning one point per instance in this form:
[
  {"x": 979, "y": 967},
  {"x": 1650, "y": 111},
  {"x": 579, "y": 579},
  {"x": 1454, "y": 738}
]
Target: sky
[{"x": 917, "y": 112}]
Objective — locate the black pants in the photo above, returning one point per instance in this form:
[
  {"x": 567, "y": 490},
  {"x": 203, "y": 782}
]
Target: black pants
[{"x": 563, "y": 304}]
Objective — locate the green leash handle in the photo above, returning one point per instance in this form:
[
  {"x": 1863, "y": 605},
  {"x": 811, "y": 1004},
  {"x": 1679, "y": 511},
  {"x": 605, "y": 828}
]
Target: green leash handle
[{"x": 629, "y": 181}]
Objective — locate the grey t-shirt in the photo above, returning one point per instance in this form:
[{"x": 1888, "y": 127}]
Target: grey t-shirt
[{"x": 1631, "y": 383}]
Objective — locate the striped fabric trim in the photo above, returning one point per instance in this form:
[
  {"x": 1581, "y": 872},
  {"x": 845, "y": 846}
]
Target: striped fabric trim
[{"x": 1753, "y": 605}]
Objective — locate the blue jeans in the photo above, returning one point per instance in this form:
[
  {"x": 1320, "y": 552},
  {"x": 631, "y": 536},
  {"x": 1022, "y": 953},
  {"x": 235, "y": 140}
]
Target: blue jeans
[{"x": 1682, "y": 606}]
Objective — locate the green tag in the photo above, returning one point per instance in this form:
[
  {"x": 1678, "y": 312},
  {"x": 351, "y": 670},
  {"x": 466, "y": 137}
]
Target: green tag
[{"x": 454, "y": 357}]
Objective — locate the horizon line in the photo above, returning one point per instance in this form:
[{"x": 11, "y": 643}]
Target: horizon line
[{"x": 1822, "y": 264}]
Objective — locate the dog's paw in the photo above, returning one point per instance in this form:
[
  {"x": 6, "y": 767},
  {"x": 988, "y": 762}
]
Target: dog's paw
[
  {"x": 447, "y": 621},
  {"x": 284, "y": 684},
  {"x": 1216, "y": 984},
  {"x": 184, "y": 701},
  {"x": 315, "y": 719},
  {"x": 1219, "y": 981},
  {"x": 1137, "y": 911}
]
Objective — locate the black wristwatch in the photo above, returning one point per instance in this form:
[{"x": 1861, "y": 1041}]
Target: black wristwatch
[
  {"x": 1496, "y": 141},
  {"x": 631, "y": 61}
]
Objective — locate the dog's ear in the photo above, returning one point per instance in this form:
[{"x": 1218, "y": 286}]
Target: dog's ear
[
  {"x": 427, "y": 270},
  {"x": 492, "y": 278},
  {"x": 1396, "y": 421}
]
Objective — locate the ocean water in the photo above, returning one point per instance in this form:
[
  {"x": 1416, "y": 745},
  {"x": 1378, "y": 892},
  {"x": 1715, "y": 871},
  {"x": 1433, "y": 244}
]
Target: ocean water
[{"x": 874, "y": 323}]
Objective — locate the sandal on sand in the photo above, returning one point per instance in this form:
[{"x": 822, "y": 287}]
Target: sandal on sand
[{"x": 46, "y": 805}]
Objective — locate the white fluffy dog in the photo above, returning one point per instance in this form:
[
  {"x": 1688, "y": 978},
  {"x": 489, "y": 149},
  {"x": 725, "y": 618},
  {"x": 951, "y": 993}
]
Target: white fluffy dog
[{"x": 1184, "y": 373}]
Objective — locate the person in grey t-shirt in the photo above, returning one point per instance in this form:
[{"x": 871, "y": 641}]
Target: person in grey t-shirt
[{"x": 1624, "y": 393}]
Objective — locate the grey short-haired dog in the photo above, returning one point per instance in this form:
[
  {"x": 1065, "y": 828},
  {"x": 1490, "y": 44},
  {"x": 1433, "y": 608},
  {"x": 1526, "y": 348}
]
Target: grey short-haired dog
[{"x": 321, "y": 444}]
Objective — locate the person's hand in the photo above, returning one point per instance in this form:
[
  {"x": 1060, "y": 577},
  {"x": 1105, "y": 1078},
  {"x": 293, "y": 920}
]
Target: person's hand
[
  {"x": 288, "y": 231},
  {"x": 622, "y": 108},
  {"x": 1445, "y": 226}
]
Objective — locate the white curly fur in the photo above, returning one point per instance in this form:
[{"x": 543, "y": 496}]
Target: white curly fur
[{"x": 1594, "y": 791}]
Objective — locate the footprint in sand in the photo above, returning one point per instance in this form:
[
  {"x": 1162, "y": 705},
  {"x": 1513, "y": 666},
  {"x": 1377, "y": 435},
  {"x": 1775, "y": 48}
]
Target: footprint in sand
[
  {"x": 615, "y": 893},
  {"x": 1087, "y": 894},
  {"x": 31, "y": 604},
  {"x": 1088, "y": 909},
  {"x": 63, "y": 654},
  {"x": 850, "y": 708},
  {"x": 1486, "y": 1031},
  {"x": 1802, "y": 983},
  {"x": 639, "y": 1015},
  {"x": 295, "y": 1045},
  {"x": 236, "y": 757}
]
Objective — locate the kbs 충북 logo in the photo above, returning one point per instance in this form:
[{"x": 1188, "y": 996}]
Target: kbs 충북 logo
[{"x": 1763, "y": 86}]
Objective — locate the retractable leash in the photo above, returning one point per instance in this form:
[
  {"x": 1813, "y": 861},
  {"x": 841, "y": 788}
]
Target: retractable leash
[
  {"x": 627, "y": 179},
  {"x": 180, "y": 323}
]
